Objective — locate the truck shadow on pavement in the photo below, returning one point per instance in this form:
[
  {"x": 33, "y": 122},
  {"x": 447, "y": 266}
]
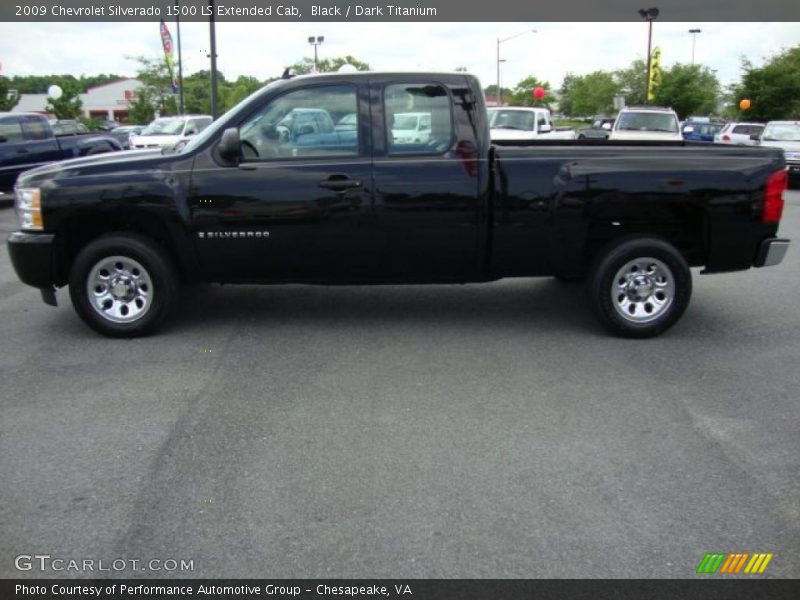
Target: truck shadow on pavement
[{"x": 544, "y": 304}]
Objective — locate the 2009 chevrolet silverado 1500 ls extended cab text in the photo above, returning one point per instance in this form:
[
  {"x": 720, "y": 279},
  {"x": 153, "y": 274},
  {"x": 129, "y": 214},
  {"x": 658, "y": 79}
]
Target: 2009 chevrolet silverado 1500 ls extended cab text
[{"x": 261, "y": 198}]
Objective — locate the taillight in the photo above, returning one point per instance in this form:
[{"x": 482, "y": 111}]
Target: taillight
[
  {"x": 726, "y": 138},
  {"x": 777, "y": 183}
]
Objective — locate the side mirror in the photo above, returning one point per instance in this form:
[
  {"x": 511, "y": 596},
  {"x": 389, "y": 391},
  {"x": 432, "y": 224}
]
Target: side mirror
[
  {"x": 230, "y": 146},
  {"x": 756, "y": 137},
  {"x": 191, "y": 132},
  {"x": 606, "y": 126},
  {"x": 545, "y": 128}
]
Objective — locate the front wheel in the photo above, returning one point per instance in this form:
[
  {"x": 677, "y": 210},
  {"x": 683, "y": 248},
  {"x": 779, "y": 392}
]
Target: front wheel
[
  {"x": 123, "y": 285},
  {"x": 640, "y": 288}
]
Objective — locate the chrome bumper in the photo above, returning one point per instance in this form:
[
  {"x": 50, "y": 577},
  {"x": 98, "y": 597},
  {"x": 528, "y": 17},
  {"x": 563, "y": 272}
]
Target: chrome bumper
[{"x": 771, "y": 252}]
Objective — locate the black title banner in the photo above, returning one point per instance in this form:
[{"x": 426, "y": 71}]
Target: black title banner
[
  {"x": 412, "y": 589},
  {"x": 396, "y": 10}
]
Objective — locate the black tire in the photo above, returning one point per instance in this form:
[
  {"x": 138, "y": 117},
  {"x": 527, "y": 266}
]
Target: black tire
[
  {"x": 623, "y": 281},
  {"x": 145, "y": 264}
]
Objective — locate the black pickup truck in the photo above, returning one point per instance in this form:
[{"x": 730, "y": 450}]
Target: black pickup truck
[
  {"x": 28, "y": 140},
  {"x": 265, "y": 196}
]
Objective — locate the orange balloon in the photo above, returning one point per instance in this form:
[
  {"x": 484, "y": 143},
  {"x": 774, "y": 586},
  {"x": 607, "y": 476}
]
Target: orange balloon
[{"x": 744, "y": 104}]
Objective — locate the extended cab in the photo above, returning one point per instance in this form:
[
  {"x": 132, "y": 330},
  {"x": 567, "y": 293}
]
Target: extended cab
[
  {"x": 28, "y": 140},
  {"x": 254, "y": 199}
]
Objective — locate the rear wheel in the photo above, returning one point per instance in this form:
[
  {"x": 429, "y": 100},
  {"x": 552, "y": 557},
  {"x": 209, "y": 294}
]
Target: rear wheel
[
  {"x": 640, "y": 288},
  {"x": 123, "y": 285}
]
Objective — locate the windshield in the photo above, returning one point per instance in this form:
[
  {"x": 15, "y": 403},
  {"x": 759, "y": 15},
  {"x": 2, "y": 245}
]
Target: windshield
[
  {"x": 782, "y": 132},
  {"x": 165, "y": 126},
  {"x": 511, "y": 119},
  {"x": 647, "y": 121}
]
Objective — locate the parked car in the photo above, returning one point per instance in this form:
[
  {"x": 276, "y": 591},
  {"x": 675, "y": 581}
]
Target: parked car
[
  {"x": 27, "y": 140},
  {"x": 740, "y": 134},
  {"x": 786, "y": 136},
  {"x": 64, "y": 127},
  {"x": 694, "y": 131},
  {"x": 411, "y": 127},
  {"x": 639, "y": 123},
  {"x": 124, "y": 133},
  {"x": 123, "y": 231},
  {"x": 600, "y": 129},
  {"x": 524, "y": 123},
  {"x": 166, "y": 131}
]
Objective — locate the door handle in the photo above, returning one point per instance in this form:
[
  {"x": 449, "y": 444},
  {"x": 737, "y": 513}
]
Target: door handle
[{"x": 339, "y": 183}]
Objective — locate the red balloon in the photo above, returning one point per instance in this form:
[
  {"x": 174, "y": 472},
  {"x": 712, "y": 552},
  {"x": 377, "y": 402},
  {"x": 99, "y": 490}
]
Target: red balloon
[{"x": 538, "y": 93}]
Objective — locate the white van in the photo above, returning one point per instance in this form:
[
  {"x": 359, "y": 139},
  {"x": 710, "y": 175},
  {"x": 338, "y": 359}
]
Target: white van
[{"x": 166, "y": 131}]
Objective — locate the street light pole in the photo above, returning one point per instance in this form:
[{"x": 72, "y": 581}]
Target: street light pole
[
  {"x": 694, "y": 33},
  {"x": 316, "y": 41},
  {"x": 648, "y": 15},
  {"x": 500, "y": 41}
]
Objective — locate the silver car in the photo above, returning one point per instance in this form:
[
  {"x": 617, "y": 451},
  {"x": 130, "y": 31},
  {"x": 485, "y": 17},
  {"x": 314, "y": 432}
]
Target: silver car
[{"x": 784, "y": 135}]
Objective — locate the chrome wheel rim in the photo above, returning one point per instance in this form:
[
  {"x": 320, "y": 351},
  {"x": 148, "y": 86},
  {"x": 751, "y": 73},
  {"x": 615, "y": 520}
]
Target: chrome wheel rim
[
  {"x": 119, "y": 289},
  {"x": 643, "y": 290}
]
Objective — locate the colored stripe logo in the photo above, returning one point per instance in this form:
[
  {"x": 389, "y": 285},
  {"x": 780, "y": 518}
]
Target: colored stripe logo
[{"x": 728, "y": 563}]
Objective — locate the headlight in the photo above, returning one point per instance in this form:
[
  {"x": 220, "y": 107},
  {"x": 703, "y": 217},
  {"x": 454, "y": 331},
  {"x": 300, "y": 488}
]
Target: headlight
[{"x": 29, "y": 209}]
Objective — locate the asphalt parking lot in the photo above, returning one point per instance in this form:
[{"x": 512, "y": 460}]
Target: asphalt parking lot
[{"x": 441, "y": 431}]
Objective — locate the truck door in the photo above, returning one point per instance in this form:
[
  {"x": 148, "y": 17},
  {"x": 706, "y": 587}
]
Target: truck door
[
  {"x": 426, "y": 199},
  {"x": 293, "y": 209}
]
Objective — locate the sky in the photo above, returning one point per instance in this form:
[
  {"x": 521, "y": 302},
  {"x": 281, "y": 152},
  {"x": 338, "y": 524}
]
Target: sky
[{"x": 263, "y": 49}]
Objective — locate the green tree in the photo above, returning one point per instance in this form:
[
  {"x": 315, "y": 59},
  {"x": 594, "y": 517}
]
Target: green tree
[
  {"x": 492, "y": 90},
  {"x": 593, "y": 94},
  {"x": 328, "y": 65},
  {"x": 142, "y": 109},
  {"x": 155, "y": 76},
  {"x": 7, "y": 99},
  {"x": 632, "y": 82},
  {"x": 238, "y": 90},
  {"x": 522, "y": 94},
  {"x": 68, "y": 106},
  {"x": 773, "y": 89},
  {"x": 689, "y": 89}
]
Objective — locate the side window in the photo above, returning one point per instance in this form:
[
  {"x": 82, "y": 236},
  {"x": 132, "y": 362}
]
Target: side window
[
  {"x": 540, "y": 120},
  {"x": 34, "y": 128},
  {"x": 10, "y": 131},
  {"x": 301, "y": 124},
  {"x": 418, "y": 118}
]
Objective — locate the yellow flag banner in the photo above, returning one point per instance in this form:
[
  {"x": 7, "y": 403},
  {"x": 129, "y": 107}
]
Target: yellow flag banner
[{"x": 655, "y": 74}]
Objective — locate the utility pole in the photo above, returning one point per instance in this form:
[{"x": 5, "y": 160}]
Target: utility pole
[
  {"x": 180, "y": 57},
  {"x": 213, "y": 56}
]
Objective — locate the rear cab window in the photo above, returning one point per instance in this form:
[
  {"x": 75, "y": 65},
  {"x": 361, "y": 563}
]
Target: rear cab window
[{"x": 419, "y": 118}]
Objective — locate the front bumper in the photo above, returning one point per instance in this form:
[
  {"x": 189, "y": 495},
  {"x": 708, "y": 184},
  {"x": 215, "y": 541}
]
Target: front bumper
[
  {"x": 32, "y": 257},
  {"x": 771, "y": 252}
]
